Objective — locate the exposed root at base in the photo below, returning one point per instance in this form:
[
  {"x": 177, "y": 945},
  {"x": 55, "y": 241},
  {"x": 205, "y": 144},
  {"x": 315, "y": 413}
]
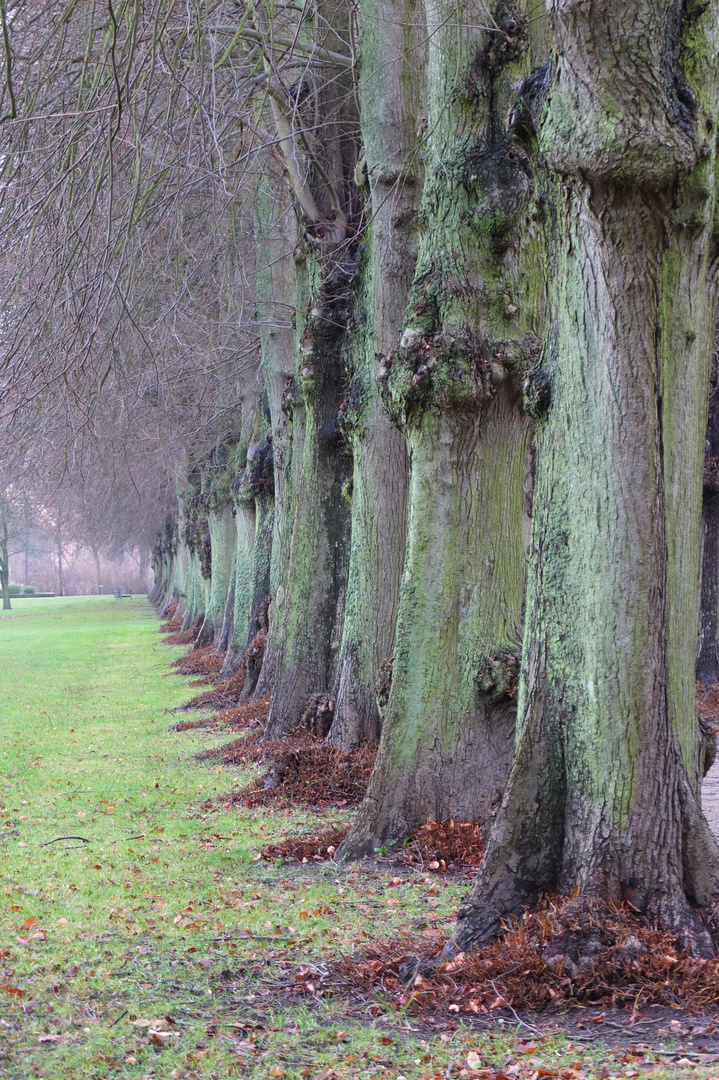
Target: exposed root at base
[{"x": 565, "y": 950}]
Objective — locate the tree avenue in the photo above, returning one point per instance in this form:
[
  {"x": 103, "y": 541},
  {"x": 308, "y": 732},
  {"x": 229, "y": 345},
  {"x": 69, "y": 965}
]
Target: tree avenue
[{"x": 407, "y": 327}]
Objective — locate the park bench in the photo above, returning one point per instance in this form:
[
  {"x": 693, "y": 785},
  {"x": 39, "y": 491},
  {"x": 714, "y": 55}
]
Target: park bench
[{"x": 119, "y": 595}]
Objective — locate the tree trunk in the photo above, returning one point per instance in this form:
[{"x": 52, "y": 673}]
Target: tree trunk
[
  {"x": 58, "y": 548},
  {"x": 276, "y": 236},
  {"x": 311, "y": 612},
  {"x": 446, "y": 742},
  {"x": 708, "y": 660},
  {"x": 194, "y": 592},
  {"x": 250, "y": 586},
  {"x": 143, "y": 567},
  {"x": 221, "y": 527},
  {"x": 5, "y": 565},
  {"x": 391, "y": 92},
  {"x": 96, "y": 559},
  {"x": 603, "y": 792}
]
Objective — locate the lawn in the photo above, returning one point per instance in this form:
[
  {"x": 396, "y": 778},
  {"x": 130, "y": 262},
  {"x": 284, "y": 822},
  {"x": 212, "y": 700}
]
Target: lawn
[{"x": 140, "y": 933}]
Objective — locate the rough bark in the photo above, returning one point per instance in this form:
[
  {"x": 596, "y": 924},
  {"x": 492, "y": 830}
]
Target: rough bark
[
  {"x": 221, "y": 527},
  {"x": 470, "y": 330},
  {"x": 311, "y": 611},
  {"x": 308, "y": 608},
  {"x": 603, "y": 792},
  {"x": 276, "y": 238},
  {"x": 391, "y": 91},
  {"x": 194, "y": 592},
  {"x": 249, "y": 588}
]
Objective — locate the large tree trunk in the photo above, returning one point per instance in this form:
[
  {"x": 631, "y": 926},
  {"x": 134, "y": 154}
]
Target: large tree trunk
[
  {"x": 221, "y": 527},
  {"x": 309, "y": 605},
  {"x": 276, "y": 237},
  {"x": 392, "y": 91},
  {"x": 248, "y": 595},
  {"x": 446, "y": 743},
  {"x": 311, "y": 614},
  {"x": 603, "y": 792},
  {"x": 194, "y": 592}
]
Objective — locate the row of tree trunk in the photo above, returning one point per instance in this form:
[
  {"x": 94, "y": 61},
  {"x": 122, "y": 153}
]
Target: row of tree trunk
[{"x": 464, "y": 502}]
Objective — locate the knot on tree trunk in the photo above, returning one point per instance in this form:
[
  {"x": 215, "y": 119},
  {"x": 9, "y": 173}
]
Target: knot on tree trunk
[
  {"x": 451, "y": 369},
  {"x": 498, "y": 676},
  {"x": 318, "y": 715},
  {"x": 383, "y": 683}
]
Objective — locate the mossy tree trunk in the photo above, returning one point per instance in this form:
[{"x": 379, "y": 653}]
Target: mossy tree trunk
[
  {"x": 252, "y": 512},
  {"x": 221, "y": 528},
  {"x": 276, "y": 236},
  {"x": 603, "y": 792},
  {"x": 318, "y": 533},
  {"x": 453, "y": 385},
  {"x": 392, "y": 92},
  {"x": 309, "y": 604}
]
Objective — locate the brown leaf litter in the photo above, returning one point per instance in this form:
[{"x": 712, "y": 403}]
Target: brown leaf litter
[
  {"x": 205, "y": 661},
  {"x": 445, "y": 845},
  {"x": 317, "y": 847},
  {"x": 302, "y": 771},
  {"x": 251, "y": 714},
  {"x": 441, "y": 847},
  {"x": 566, "y": 950},
  {"x": 224, "y": 695},
  {"x": 172, "y": 629}
]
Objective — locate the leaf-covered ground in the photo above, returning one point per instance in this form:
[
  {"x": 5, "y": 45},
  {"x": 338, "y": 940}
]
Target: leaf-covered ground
[{"x": 143, "y": 935}]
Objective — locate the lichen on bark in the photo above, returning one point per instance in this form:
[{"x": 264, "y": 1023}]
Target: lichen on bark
[
  {"x": 452, "y": 383},
  {"x": 603, "y": 795}
]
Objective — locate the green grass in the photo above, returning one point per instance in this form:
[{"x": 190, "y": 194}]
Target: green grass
[{"x": 136, "y": 921}]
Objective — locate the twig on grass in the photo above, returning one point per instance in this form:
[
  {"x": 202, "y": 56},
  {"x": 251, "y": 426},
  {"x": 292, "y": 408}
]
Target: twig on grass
[{"x": 57, "y": 838}]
